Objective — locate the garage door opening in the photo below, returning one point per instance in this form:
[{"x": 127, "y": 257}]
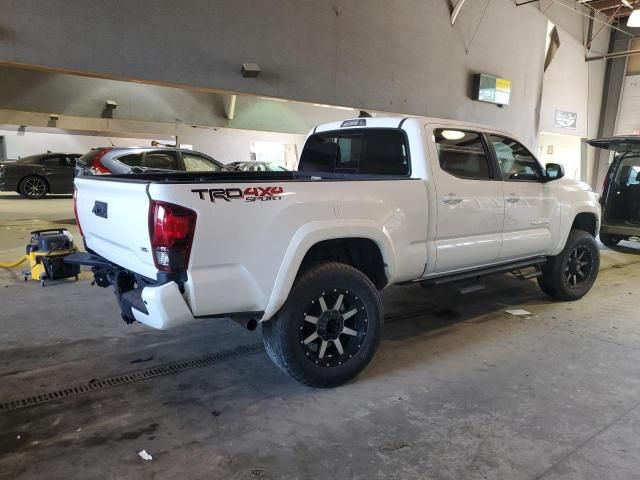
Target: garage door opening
[{"x": 567, "y": 150}]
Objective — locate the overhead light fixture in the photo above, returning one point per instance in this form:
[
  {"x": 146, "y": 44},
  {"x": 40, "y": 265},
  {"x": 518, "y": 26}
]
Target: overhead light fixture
[
  {"x": 250, "y": 70},
  {"x": 273, "y": 99},
  {"x": 109, "y": 107},
  {"x": 634, "y": 19},
  {"x": 332, "y": 106},
  {"x": 453, "y": 134}
]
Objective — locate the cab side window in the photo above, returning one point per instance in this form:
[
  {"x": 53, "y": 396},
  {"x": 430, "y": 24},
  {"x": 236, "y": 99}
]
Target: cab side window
[
  {"x": 462, "y": 154},
  {"x": 517, "y": 164}
]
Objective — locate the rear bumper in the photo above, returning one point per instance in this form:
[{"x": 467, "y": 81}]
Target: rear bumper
[
  {"x": 165, "y": 307},
  {"x": 159, "y": 304}
]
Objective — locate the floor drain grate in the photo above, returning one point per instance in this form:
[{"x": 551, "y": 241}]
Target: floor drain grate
[{"x": 131, "y": 377}]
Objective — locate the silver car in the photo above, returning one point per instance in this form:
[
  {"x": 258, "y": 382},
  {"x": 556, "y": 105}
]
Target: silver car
[{"x": 125, "y": 160}]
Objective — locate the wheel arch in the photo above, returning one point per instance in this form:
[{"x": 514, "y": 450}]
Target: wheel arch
[
  {"x": 587, "y": 222},
  {"x": 583, "y": 216},
  {"x": 360, "y": 244}
]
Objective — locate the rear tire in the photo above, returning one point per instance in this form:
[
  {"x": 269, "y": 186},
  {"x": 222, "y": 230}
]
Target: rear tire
[
  {"x": 329, "y": 328},
  {"x": 610, "y": 241},
  {"x": 33, "y": 187},
  {"x": 571, "y": 274}
]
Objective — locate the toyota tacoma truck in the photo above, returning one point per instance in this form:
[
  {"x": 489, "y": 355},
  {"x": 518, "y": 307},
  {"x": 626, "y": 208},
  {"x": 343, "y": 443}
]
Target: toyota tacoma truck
[{"x": 375, "y": 202}]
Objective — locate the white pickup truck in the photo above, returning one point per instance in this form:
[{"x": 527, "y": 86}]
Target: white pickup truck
[{"x": 375, "y": 202}]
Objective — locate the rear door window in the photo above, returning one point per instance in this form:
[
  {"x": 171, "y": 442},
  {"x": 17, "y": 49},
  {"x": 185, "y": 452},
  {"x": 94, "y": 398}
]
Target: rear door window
[
  {"x": 162, "y": 160},
  {"x": 132, "y": 160},
  {"x": 462, "y": 154},
  {"x": 629, "y": 172},
  {"x": 69, "y": 162},
  {"x": 364, "y": 151},
  {"x": 52, "y": 162}
]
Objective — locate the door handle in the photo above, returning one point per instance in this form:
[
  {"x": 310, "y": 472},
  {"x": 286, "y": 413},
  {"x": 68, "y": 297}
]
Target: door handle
[
  {"x": 47, "y": 170},
  {"x": 513, "y": 199},
  {"x": 451, "y": 199}
]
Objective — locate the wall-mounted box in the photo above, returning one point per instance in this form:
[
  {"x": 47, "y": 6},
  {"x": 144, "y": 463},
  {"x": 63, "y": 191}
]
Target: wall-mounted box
[{"x": 487, "y": 88}]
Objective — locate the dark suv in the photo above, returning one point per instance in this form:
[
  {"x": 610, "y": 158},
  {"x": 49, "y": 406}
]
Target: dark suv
[
  {"x": 123, "y": 160},
  {"x": 621, "y": 191}
]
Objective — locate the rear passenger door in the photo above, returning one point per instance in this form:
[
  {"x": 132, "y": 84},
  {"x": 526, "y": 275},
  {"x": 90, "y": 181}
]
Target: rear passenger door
[
  {"x": 470, "y": 200},
  {"x": 532, "y": 212}
]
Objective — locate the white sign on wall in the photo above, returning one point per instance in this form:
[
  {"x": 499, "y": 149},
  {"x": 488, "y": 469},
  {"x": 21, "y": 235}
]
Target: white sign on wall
[{"x": 566, "y": 120}]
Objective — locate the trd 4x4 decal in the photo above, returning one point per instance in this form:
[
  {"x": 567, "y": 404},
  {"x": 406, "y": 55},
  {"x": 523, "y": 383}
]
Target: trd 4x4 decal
[{"x": 250, "y": 194}]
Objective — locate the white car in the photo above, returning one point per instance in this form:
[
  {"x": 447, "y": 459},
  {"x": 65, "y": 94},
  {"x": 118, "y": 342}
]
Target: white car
[{"x": 376, "y": 202}]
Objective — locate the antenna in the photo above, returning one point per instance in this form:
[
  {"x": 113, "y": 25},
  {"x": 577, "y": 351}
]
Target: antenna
[{"x": 111, "y": 142}]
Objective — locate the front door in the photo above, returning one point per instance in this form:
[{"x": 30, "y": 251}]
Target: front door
[
  {"x": 470, "y": 201},
  {"x": 532, "y": 212}
]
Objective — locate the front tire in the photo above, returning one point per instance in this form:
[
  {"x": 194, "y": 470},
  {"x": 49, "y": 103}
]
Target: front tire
[
  {"x": 610, "y": 241},
  {"x": 571, "y": 274},
  {"x": 329, "y": 328},
  {"x": 33, "y": 187}
]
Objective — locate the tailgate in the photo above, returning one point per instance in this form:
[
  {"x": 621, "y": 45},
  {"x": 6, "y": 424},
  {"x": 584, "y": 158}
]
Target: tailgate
[
  {"x": 114, "y": 217},
  {"x": 622, "y": 144}
]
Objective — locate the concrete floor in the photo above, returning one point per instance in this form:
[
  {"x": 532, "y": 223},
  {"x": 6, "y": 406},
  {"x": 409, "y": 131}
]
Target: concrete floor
[{"x": 459, "y": 389}]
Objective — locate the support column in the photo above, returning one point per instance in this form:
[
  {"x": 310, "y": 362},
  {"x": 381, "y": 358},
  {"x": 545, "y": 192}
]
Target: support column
[{"x": 614, "y": 80}]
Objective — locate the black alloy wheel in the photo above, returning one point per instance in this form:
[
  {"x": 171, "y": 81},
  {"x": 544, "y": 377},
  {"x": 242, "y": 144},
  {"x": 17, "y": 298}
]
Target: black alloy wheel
[
  {"x": 333, "y": 328},
  {"x": 329, "y": 328}
]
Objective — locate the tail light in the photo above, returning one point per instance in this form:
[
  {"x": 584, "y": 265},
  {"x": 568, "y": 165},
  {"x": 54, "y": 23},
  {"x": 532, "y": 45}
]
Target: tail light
[
  {"x": 171, "y": 228},
  {"x": 96, "y": 165},
  {"x": 75, "y": 209}
]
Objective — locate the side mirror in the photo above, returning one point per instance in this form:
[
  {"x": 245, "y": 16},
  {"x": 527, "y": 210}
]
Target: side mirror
[{"x": 554, "y": 171}]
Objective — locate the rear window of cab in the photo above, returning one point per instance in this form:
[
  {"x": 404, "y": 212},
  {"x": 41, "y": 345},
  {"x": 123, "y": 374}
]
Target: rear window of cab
[{"x": 369, "y": 151}]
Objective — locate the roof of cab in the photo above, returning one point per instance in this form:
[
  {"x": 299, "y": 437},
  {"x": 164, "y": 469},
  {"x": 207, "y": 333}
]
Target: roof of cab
[{"x": 397, "y": 122}]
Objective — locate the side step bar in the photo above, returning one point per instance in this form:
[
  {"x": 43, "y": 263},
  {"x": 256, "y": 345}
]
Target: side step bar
[{"x": 466, "y": 278}]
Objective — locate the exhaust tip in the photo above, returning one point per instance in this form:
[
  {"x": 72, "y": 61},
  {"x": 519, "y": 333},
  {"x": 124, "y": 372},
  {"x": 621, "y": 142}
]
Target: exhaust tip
[{"x": 249, "y": 323}]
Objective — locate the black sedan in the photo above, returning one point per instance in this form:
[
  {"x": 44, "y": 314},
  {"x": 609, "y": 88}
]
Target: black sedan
[{"x": 37, "y": 175}]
